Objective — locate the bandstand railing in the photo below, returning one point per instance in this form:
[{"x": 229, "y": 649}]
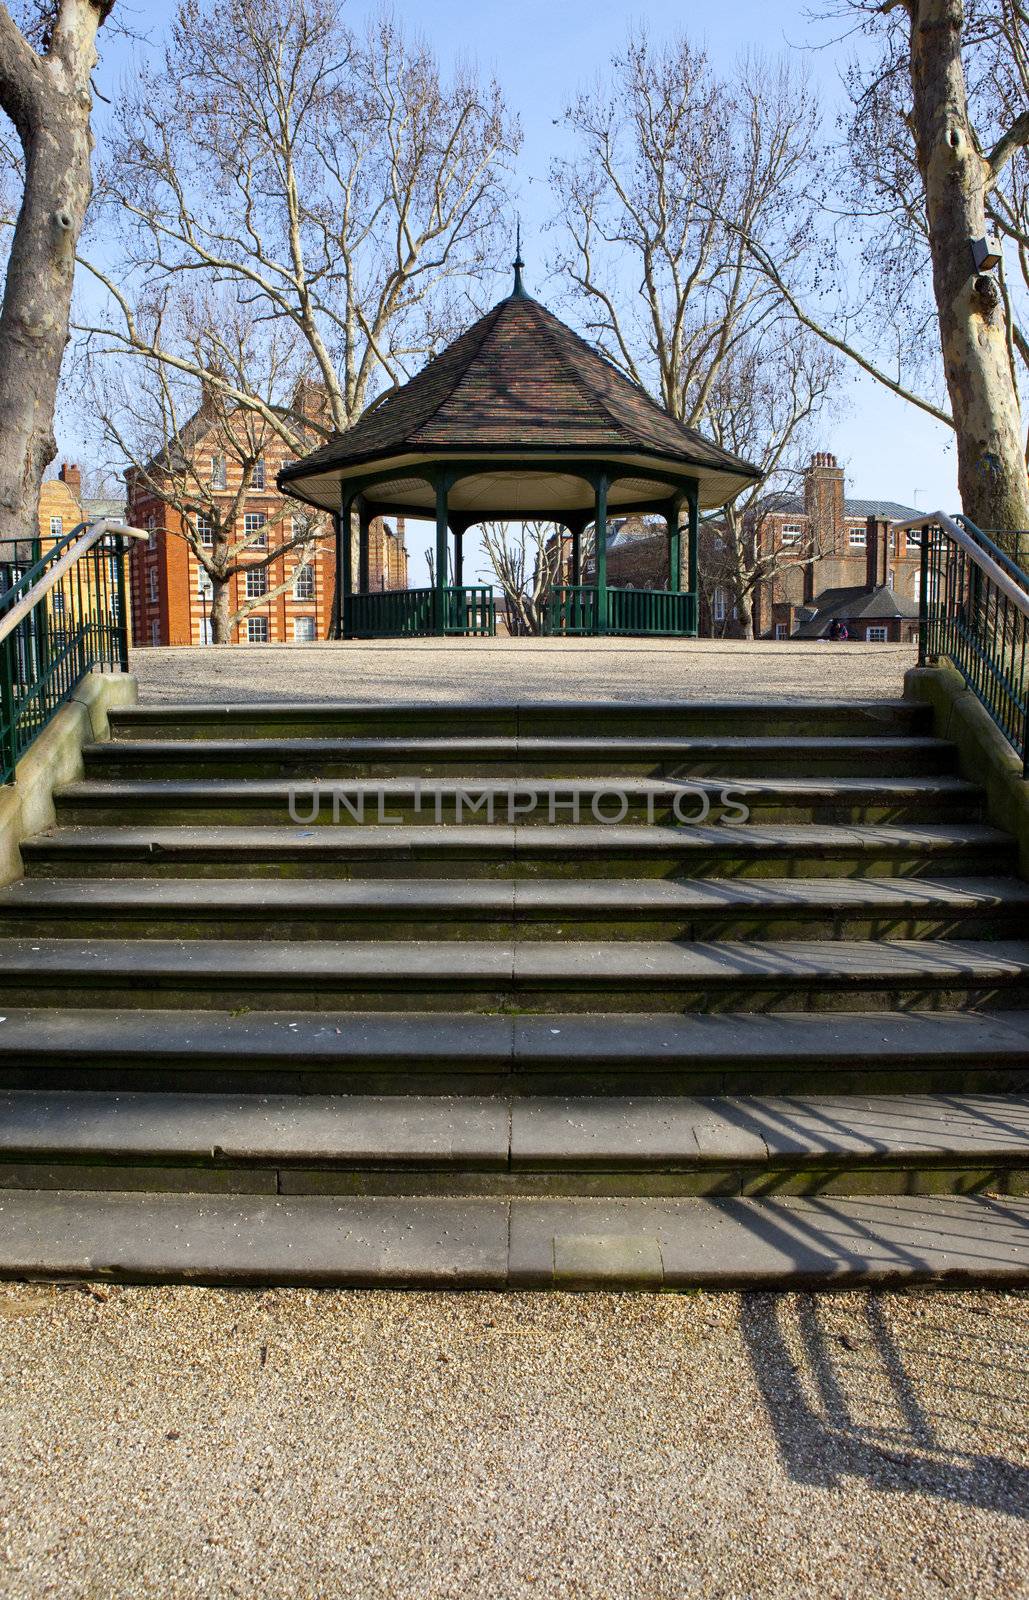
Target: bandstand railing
[
  {"x": 659, "y": 613},
  {"x": 411, "y": 613}
]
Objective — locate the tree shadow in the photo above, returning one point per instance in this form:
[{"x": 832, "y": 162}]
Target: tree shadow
[{"x": 820, "y": 1387}]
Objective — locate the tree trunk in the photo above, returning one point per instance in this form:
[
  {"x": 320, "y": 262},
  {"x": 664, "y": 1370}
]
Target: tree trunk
[
  {"x": 48, "y": 99},
  {"x": 991, "y": 464},
  {"x": 221, "y": 610}
]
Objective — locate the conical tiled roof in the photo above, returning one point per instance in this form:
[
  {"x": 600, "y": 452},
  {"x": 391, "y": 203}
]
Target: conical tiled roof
[{"x": 518, "y": 380}]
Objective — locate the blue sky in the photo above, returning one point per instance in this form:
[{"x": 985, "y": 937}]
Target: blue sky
[{"x": 543, "y": 50}]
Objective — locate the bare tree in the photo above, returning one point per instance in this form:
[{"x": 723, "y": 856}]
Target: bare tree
[
  {"x": 766, "y": 399},
  {"x": 46, "y": 93},
  {"x": 525, "y": 560},
  {"x": 936, "y": 148},
  {"x": 170, "y": 430},
  {"x": 333, "y": 183},
  {"x": 676, "y": 171}
]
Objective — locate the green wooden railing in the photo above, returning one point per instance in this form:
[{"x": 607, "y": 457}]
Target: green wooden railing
[
  {"x": 659, "y": 613},
  {"x": 974, "y": 612},
  {"x": 411, "y": 613},
  {"x": 60, "y": 618}
]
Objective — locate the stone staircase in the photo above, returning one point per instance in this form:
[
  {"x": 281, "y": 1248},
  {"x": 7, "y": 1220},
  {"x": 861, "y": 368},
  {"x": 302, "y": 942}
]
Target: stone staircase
[{"x": 661, "y": 995}]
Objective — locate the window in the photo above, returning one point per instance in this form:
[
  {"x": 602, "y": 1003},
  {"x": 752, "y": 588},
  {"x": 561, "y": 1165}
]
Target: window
[
  {"x": 151, "y": 528},
  {"x": 719, "y": 605},
  {"x": 152, "y": 591},
  {"x": 155, "y": 632},
  {"x": 876, "y": 635},
  {"x": 303, "y": 583},
  {"x": 56, "y": 527},
  {"x": 791, "y": 533},
  {"x": 257, "y": 479},
  {"x": 298, "y": 527},
  {"x": 257, "y": 582},
  {"x": 206, "y": 631},
  {"x": 257, "y": 630},
  {"x": 254, "y": 530},
  {"x": 205, "y": 530},
  {"x": 303, "y": 630},
  {"x": 58, "y": 603},
  {"x": 780, "y": 630},
  {"x": 218, "y": 474},
  {"x": 115, "y": 604},
  {"x": 914, "y": 536},
  {"x": 204, "y": 584},
  {"x": 858, "y": 538},
  {"x": 916, "y": 587},
  {"x": 893, "y": 538}
]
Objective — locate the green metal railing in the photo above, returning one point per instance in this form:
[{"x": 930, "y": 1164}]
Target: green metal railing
[
  {"x": 974, "y": 612},
  {"x": 59, "y": 618},
  {"x": 412, "y": 613},
  {"x": 659, "y": 613}
]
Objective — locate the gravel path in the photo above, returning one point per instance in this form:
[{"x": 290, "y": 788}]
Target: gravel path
[
  {"x": 429, "y": 671},
  {"x": 187, "y": 1442}
]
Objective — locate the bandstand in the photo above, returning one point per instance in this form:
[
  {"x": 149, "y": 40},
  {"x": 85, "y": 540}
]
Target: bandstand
[{"x": 518, "y": 420}]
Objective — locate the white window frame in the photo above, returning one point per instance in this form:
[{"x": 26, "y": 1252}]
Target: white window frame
[
  {"x": 790, "y": 533},
  {"x": 781, "y": 630},
  {"x": 219, "y": 473},
  {"x": 303, "y": 630},
  {"x": 913, "y": 536},
  {"x": 155, "y": 631},
  {"x": 877, "y": 633},
  {"x": 258, "y": 625},
  {"x": 255, "y": 530},
  {"x": 153, "y": 586},
  {"x": 205, "y": 529},
  {"x": 204, "y": 583},
  {"x": 719, "y": 604},
  {"x": 305, "y": 570},
  {"x": 258, "y": 476},
  {"x": 57, "y": 527},
  {"x": 858, "y": 538},
  {"x": 256, "y": 583},
  {"x": 151, "y": 532}
]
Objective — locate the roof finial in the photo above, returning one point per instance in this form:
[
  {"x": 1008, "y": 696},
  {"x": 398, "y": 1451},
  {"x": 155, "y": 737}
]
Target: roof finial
[{"x": 519, "y": 287}]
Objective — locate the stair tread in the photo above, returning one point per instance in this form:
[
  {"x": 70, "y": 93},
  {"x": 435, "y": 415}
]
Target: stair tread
[
  {"x": 499, "y": 1243},
  {"x": 388, "y": 1036},
  {"x": 784, "y": 1037},
  {"x": 500, "y": 1132},
  {"x": 200, "y": 788},
  {"x": 539, "y": 963},
  {"x": 504, "y": 838},
  {"x": 314, "y": 710},
  {"x": 499, "y": 896},
  {"x": 508, "y": 745}
]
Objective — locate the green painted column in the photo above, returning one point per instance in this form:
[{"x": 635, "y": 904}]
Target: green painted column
[
  {"x": 674, "y": 546},
  {"x": 601, "y": 552},
  {"x": 363, "y": 550},
  {"x": 458, "y": 558},
  {"x": 345, "y": 569},
  {"x": 442, "y": 529},
  {"x": 693, "y": 500}
]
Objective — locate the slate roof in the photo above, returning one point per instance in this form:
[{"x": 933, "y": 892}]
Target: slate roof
[
  {"x": 518, "y": 379},
  {"x": 881, "y": 510},
  {"x": 866, "y": 605}
]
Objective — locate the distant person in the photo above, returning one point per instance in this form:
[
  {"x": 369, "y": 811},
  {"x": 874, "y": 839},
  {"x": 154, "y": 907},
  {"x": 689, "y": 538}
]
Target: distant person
[{"x": 838, "y": 630}]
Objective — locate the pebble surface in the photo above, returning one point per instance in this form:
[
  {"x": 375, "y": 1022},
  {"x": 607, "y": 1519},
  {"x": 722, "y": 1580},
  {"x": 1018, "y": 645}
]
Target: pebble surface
[
  {"x": 186, "y": 1442},
  {"x": 433, "y": 672}
]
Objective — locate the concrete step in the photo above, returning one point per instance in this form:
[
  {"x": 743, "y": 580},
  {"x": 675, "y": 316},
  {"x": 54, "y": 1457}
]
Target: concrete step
[
  {"x": 483, "y": 801},
  {"x": 748, "y": 755},
  {"x": 604, "y": 908},
  {"x": 283, "y": 1052},
  {"x": 544, "y": 976},
  {"x": 754, "y": 850},
  {"x": 349, "y": 719},
  {"x": 474, "y": 1144},
  {"x": 531, "y": 1243}
]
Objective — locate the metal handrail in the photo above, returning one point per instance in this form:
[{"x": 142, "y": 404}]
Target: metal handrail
[
  {"x": 93, "y": 532},
  {"x": 1016, "y": 593}
]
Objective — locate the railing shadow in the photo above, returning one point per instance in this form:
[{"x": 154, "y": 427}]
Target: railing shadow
[{"x": 819, "y": 1390}]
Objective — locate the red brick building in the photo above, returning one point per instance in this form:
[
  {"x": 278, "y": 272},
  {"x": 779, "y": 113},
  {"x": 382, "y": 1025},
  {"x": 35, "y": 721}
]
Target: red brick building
[{"x": 287, "y": 600}]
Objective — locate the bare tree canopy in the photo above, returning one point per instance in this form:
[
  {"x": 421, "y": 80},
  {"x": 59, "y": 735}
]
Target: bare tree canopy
[
  {"x": 674, "y": 167},
  {"x": 45, "y": 91},
  {"x": 935, "y": 152},
  {"x": 331, "y": 184}
]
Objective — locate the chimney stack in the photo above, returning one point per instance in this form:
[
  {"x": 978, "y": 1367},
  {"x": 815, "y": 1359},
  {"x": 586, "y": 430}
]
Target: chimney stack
[{"x": 71, "y": 475}]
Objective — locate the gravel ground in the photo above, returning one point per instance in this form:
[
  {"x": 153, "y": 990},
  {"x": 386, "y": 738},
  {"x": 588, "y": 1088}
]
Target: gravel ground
[
  {"x": 187, "y": 1442},
  {"x": 429, "y": 671}
]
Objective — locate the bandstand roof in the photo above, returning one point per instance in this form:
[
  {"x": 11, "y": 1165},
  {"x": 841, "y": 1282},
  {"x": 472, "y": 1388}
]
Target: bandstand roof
[{"x": 523, "y": 395}]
